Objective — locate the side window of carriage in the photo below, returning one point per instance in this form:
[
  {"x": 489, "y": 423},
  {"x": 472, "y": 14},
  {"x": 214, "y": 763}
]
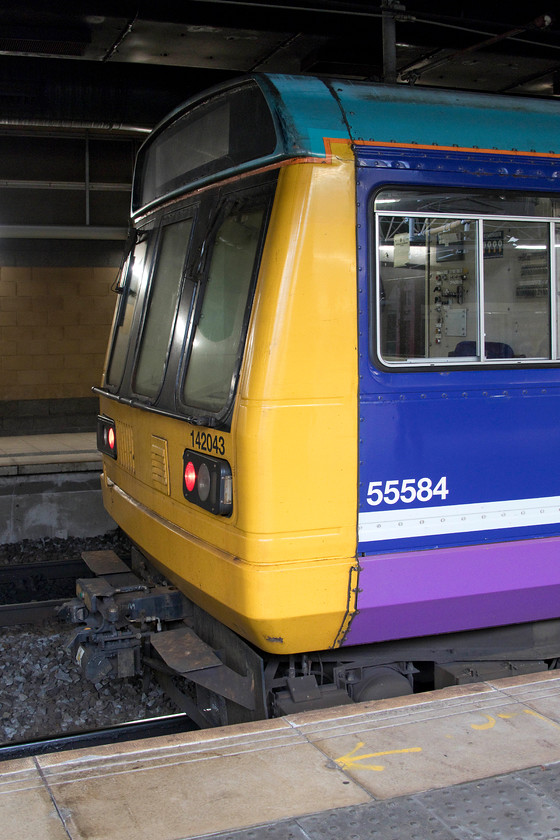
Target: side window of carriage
[
  {"x": 466, "y": 277},
  {"x": 165, "y": 288}
]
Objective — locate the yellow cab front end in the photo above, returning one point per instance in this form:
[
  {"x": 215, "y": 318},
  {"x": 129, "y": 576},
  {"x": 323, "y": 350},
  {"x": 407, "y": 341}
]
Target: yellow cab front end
[{"x": 280, "y": 568}]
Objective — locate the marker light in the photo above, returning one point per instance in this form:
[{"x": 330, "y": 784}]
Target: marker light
[
  {"x": 203, "y": 482},
  {"x": 106, "y": 436},
  {"x": 207, "y": 482}
]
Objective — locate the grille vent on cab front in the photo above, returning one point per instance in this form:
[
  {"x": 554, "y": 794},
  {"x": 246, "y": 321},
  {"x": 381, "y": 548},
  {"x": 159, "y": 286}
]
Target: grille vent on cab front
[
  {"x": 126, "y": 447},
  {"x": 160, "y": 464}
]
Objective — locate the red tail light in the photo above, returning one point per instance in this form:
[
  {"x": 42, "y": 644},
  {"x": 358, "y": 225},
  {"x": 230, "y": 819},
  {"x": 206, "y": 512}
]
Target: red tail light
[
  {"x": 106, "y": 436},
  {"x": 207, "y": 482},
  {"x": 190, "y": 476}
]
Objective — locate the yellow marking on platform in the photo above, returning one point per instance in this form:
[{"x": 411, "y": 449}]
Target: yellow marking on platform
[
  {"x": 490, "y": 723},
  {"x": 508, "y": 716},
  {"x": 542, "y": 717},
  {"x": 351, "y": 760}
]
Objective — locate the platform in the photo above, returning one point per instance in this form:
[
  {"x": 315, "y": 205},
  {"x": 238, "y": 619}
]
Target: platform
[
  {"x": 36, "y": 454},
  {"x": 49, "y": 487},
  {"x": 463, "y": 763}
]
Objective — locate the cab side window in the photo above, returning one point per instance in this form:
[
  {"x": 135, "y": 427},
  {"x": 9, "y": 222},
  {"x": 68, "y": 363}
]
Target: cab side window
[{"x": 130, "y": 285}]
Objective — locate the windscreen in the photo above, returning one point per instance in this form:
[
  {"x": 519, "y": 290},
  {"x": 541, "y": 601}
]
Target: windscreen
[
  {"x": 165, "y": 289},
  {"x": 218, "y": 337}
]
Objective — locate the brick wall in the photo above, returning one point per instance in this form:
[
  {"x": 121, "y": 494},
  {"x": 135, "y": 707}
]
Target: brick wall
[{"x": 54, "y": 326}]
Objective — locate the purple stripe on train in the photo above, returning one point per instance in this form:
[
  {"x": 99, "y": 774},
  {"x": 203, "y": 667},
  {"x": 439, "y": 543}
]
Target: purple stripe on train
[{"x": 420, "y": 593}]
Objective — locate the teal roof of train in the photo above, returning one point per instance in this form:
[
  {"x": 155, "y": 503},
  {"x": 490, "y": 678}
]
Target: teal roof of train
[
  {"x": 308, "y": 109},
  {"x": 311, "y": 109}
]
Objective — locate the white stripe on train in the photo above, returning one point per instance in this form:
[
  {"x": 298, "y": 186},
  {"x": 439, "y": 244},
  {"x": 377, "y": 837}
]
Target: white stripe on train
[{"x": 454, "y": 519}]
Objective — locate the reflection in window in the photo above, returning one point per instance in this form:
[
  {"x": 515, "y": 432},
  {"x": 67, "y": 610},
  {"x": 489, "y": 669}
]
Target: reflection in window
[
  {"x": 160, "y": 316},
  {"x": 516, "y": 287},
  {"x": 429, "y": 294},
  {"x": 466, "y": 203},
  {"x": 557, "y": 250},
  {"x": 133, "y": 270},
  {"x": 460, "y": 287},
  {"x": 217, "y": 341}
]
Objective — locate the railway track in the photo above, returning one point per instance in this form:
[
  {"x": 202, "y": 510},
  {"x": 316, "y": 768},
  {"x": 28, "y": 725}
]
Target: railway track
[
  {"x": 34, "y": 612},
  {"x": 133, "y": 730},
  {"x": 23, "y": 588},
  {"x": 43, "y": 708}
]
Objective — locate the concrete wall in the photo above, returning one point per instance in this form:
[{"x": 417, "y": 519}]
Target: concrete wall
[{"x": 52, "y": 505}]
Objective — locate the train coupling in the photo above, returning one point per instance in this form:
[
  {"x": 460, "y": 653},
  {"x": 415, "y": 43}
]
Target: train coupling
[{"x": 117, "y": 612}]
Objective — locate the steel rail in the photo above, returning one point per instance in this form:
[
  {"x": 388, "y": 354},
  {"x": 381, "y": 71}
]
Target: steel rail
[
  {"x": 35, "y": 610},
  {"x": 48, "y": 569},
  {"x": 119, "y": 733},
  {"x": 32, "y": 612}
]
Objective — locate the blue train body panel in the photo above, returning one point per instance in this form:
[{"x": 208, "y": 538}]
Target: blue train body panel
[{"x": 487, "y": 440}]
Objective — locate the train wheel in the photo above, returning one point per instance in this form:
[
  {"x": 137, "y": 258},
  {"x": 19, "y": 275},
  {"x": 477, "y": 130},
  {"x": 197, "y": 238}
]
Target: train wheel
[{"x": 380, "y": 683}]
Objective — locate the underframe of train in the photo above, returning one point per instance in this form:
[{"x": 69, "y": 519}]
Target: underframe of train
[{"x": 131, "y": 621}]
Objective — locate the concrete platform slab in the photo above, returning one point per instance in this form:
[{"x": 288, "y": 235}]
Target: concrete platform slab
[
  {"x": 479, "y": 761},
  {"x": 238, "y": 776},
  {"x": 26, "y": 806},
  {"x": 41, "y": 450}
]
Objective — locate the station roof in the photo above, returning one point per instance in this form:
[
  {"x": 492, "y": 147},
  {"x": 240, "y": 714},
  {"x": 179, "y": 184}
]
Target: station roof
[{"x": 129, "y": 63}]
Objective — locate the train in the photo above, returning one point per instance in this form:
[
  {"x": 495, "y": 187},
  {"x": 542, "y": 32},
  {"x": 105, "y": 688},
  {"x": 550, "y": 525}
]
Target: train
[{"x": 329, "y": 409}]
